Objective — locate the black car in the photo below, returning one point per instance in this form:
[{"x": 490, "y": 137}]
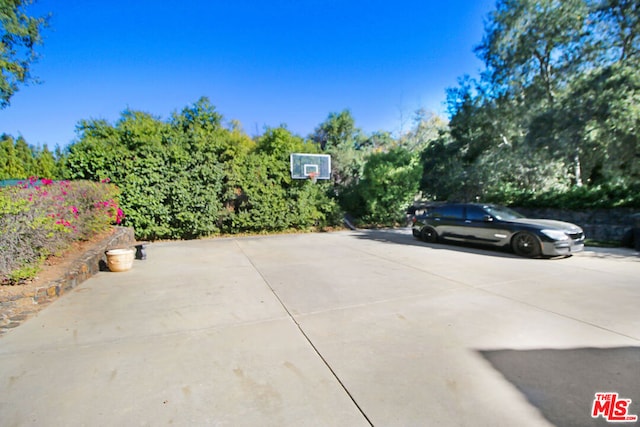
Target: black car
[{"x": 498, "y": 226}]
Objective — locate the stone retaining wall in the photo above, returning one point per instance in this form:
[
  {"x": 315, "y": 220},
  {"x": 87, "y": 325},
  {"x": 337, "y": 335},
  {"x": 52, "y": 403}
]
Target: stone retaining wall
[
  {"x": 21, "y": 306},
  {"x": 598, "y": 224},
  {"x": 93, "y": 261}
]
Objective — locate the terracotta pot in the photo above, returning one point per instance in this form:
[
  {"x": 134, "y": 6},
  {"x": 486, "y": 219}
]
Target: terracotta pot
[{"x": 120, "y": 259}]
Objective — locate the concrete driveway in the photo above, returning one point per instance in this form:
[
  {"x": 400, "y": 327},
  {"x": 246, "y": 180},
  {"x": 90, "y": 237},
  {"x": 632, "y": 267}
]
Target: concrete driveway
[{"x": 335, "y": 329}]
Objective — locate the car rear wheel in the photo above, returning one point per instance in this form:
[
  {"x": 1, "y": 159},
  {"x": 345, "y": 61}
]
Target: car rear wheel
[
  {"x": 526, "y": 245},
  {"x": 429, "y": 235}
]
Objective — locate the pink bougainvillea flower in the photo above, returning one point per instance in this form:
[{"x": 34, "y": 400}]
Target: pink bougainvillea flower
[{"x": 119, "y": 216}]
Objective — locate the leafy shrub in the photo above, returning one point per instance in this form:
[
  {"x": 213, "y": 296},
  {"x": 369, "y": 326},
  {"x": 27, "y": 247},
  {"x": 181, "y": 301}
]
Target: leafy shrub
[
  {"x": 267, "y": 198},
  {"x": 600, "y": 196},
  {"x": 40, "y": 218},
  {"x": 389, "y": 182},
  {"x": 191, "y": 177}
]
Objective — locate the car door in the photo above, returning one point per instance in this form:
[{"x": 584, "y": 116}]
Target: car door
[
  {"x": 449, "y": 221},
  {"x": 482, "y": 227}
]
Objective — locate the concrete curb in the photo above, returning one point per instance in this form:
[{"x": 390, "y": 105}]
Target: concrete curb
[
  {"x": 626, "y": 253},
  {"x": 15, "y": 311}
]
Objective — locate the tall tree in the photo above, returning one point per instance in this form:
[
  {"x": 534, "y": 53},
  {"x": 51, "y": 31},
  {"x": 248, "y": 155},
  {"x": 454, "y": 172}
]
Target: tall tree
[
  {"x": 339, "y": 129},
  {"x": 25, "y": 156},
  {"x": 19, "y": 35},
  {"x": 45, "y": 163},
  {"x": 615, "y": 30},
  {"x": 531, "y": 45},
  {"x": 10, "y": 165},
  {"x": 556, "y": 106},
  {"x": 339, "y": 137},
  {"x": 427, "y": 127}
]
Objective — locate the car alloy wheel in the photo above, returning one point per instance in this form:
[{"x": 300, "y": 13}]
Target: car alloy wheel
[
  {"x": 429, "y": 235},
  {"x": 526, "y": 244}
]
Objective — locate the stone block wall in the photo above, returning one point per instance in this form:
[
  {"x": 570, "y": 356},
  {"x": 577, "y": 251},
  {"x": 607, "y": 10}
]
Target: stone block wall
[
  {"x": 18, "y": 307},
  {"x": 92, "y": 261}
]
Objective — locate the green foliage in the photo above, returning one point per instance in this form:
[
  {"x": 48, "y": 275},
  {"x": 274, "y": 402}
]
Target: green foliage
[
  {"x": 446, "y": 176},
  {"x": 427, "y": 127},
  {"x": 530, "y": 45},
  {"x": 169, "y": 173},
  {"x": 374, "y": 177},
  {"x": 611, "y": 195},
  {"x": 19, "y": 35},
  {"x": 25, "y": 272},
  {"x": 192, "y": 177},
  {"x": 389, "y": 183},
  {"x": 18, "y": 160},
  {"x": 555, "y": 108},
  {"x": 599, "y": 119},
  {"x": 339, "y": 137},
  {"x": 267, "y": 198},
  {"x": 262, "y": 201},
  {"x": 41, "y": 217}
]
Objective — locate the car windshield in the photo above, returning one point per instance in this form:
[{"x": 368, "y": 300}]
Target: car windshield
[{"x": 502, "y": 213}]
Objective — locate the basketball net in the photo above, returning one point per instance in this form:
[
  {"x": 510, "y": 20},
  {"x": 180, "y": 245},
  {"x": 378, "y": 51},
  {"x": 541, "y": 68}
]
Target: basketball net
[{"x": 313, "y": 176}]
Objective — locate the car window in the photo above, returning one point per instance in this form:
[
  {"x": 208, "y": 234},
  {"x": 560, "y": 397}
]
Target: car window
[
  {"x": 449, "y": 212},
  {"x": 474, "y": 213},
  {"x": 502, "y": 213}
]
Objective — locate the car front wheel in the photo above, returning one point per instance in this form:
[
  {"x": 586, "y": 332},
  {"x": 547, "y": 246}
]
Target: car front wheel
[{"x": 526, "y": 245}]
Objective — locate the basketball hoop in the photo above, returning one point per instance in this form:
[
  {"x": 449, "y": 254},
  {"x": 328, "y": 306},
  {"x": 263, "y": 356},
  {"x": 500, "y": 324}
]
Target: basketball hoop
[{"x": 302, "y": 164}]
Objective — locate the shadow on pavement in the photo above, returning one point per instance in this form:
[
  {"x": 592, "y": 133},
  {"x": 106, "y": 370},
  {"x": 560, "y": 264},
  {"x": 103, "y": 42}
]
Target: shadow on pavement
[
  {"x": 402, "y": 237},
  {"x": 562, "y": 383}
]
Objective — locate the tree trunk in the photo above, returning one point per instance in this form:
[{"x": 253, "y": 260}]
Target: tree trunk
[{"x": 577, "y": 169}]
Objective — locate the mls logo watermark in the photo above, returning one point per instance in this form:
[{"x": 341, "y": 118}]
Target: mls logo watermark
[{"x": 612, "y": 408}]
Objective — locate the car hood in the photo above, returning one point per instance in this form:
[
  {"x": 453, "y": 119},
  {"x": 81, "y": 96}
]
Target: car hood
[{"x": 549, "y": 223}]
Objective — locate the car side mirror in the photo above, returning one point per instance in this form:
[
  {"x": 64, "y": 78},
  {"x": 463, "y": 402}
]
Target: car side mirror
[{"x": 488, "y": 218}]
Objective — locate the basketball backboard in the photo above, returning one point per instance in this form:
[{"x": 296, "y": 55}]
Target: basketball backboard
[{"x": 305, "y": 166}]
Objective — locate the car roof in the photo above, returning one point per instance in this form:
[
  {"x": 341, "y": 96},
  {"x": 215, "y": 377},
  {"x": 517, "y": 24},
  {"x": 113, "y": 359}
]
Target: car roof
[{"x": 444, "y": 204}]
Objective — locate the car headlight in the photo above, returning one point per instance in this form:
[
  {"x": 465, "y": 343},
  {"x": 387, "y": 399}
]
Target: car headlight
[{"x": 555, "y": 234}]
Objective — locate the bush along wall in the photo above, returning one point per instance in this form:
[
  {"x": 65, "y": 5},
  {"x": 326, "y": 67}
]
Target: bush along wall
[{"x": 39, "y": 218}]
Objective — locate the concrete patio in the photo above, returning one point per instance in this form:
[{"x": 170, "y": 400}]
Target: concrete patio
[{"x": 334, "y": 329}]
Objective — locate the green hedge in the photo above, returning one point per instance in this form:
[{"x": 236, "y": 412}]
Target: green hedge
[
  {"x": 601, "y": 196},
  {"x": 191, "y": 176}
]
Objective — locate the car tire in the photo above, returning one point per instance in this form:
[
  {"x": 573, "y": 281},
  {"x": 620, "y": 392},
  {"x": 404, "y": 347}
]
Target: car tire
[
  {"x": 429, "y": 235},
  {"x": 526, "y": 245}
]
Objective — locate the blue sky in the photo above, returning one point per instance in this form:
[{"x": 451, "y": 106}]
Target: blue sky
[{"x": 264, "y": 63}]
